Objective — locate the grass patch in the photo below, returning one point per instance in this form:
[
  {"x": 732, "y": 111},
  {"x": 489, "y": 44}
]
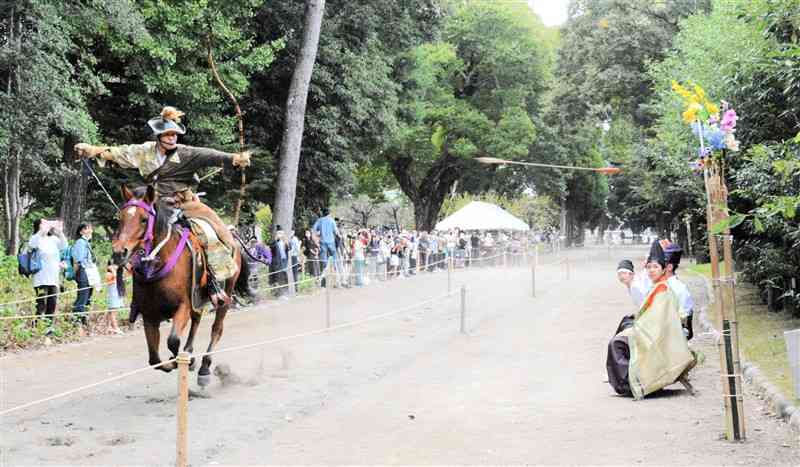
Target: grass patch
[
  {"x": 761, "y": 334},
  {"x": 704, "y": 269}
]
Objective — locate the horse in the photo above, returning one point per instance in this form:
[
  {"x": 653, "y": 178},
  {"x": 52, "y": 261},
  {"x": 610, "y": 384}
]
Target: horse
[{"x": 165, "y": 290}]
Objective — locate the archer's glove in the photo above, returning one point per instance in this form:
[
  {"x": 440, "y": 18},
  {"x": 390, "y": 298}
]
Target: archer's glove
[
  {"x": 88, "y": 151},
  {"x": 241, "y": 159}
]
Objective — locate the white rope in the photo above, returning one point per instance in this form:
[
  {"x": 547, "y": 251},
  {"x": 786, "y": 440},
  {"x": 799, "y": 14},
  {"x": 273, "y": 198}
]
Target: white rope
[
  {"x": 229, "y": 349},
  {"x": 83, "y": 388},
  {"x": 27, "y": 300},
  {"x": 325, "y": 330},
  {"x": 309, "y": 279},
  {"x": 68, "y": 313}
]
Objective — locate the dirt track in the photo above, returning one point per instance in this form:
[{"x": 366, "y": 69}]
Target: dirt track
[{"x": 526, "y": 385}]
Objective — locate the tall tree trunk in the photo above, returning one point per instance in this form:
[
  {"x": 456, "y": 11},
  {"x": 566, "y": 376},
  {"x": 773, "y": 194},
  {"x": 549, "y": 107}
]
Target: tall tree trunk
[
  {"x": 426, "y": 210},
  {"x": 295, "y": 120},
  {"x": 73, "y": 191},
  {"x": 428, "y": 195},
  {"x": 13, "y": 208},
  {"x": 562, "y": 226},
  {"x": 395, "y": 210}
]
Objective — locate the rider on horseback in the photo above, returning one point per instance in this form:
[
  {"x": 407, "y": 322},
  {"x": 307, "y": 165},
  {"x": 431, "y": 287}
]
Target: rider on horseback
[{"x": 171, "y": 168}]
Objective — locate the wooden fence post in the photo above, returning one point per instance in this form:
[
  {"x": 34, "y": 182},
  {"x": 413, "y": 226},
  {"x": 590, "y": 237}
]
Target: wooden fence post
[
  {"x": 463, "y": 309},
  {"x": 182, "y": 439}
]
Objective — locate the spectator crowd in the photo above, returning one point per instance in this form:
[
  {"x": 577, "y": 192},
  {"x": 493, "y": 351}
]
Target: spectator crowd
[{"x": 356, "y": 256}]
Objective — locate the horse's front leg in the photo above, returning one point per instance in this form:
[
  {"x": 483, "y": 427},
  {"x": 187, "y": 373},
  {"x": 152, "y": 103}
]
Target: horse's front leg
[
  {"x": 179, "y": 322},
  {"x": 153, "y": 336},
  {"x": 204, "y": 375},
  {"x": 189, "y": 346}
]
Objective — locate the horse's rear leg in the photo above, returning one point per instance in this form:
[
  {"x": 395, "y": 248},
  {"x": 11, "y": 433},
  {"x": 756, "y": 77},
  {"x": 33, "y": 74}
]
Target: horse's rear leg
[
  {"x": 204, "y": 375},
  {"x": 179, "y": 322},
  {"x": 153, "y": 336}
]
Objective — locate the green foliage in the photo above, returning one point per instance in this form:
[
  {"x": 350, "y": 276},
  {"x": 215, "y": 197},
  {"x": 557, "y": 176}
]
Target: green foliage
[
  {"x": 263, "y": 218},
  {"x": 473, "y": 93}
]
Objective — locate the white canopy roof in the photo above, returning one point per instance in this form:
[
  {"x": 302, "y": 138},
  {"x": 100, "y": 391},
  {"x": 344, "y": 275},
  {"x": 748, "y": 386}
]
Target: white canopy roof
[{"x": 478, "y": 215}]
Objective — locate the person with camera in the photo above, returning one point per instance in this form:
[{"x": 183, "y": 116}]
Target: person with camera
[
  {"x": 87, "y": 276},
  {"x": 49, "y": 240}
]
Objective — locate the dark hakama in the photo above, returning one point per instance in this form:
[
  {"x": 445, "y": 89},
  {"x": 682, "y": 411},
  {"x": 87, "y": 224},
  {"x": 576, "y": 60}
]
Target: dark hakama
[{"x": 618, "y": 358}]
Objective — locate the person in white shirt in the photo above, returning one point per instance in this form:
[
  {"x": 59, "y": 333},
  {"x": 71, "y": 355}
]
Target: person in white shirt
[
  {"x": 673, "y": 254},
  {"x": 50, "y": 241},
  {"x": 639, "y": 285}
]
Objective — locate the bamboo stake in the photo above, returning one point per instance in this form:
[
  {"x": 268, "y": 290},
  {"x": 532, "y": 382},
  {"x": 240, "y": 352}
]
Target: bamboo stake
[
  {"x": 449, "y": 274},
  {"x": 182, "y": 440},
  {"x": 463, "y": 309},
  {"x": 716, "y": 211}
]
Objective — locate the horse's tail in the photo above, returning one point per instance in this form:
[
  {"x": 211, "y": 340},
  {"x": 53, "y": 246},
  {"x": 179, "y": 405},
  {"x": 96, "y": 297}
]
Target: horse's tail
[{"x": 242, "y": 285}]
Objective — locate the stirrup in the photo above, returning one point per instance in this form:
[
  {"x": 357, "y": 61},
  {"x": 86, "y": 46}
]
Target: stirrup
[{"x": 216, "y": 293}]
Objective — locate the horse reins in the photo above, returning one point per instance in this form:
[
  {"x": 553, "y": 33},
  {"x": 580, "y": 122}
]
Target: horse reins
[{"x": 91, "y": 171}]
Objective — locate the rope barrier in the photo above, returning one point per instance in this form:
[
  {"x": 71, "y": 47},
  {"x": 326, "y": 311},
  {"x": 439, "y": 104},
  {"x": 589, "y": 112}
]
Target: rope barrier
[
  {"x": 70, "y": 313},
  {"x": 225, "y": 350},
  {"x": 128, "y": 279},
  {"x": 325, "y": 330},
  {"x": 27, "y": 300},
  {"x": 309, "y": 279},
  {"x": 230, "y": 349},
  {"x": 83, "y": 388}
]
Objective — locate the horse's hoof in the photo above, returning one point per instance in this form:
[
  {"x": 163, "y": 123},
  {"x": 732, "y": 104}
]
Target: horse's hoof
[
  {"x": 192, "y": 365},
  {"x": 165, "y": 367},
  {"x": 203, "y": 380}
]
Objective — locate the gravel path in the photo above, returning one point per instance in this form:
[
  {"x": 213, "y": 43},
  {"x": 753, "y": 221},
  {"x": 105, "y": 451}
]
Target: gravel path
[{"x": 525, "y": 385}]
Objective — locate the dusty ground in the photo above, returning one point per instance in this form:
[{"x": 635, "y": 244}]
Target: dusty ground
[{"x": 525, "y": 385}]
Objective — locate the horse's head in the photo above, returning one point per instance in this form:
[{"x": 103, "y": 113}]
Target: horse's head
[{"x": 136, "y": 223}]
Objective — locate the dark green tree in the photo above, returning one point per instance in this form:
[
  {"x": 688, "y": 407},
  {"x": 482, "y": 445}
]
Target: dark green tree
[{"x": 472, "y": 94}]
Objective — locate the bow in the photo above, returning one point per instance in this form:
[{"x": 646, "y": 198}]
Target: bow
[{"x": 239, "y": 117}]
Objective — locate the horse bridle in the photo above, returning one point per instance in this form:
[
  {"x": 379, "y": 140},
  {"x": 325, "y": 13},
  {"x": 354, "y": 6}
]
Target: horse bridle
[
  {"x": 151, "y": 221},
  {"x": 143, "y": 260}
]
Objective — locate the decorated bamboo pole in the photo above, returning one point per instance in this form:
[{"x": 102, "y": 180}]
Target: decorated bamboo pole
[
  {"x": 717, "y": 306},
  {"x": 716, "y": 135}
]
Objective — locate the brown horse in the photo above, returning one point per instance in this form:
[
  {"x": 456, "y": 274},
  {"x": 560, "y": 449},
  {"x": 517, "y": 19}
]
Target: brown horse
[{"x": 164, "y": 291}]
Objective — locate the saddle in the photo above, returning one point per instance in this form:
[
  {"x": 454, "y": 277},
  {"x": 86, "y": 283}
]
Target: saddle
[{"x": 203, "y": 243}]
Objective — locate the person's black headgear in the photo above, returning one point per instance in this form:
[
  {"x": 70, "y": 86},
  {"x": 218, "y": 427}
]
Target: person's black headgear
[
  {"x": 672, "y": 252},
  {"x": 657, "y": 254},
  {"x": 625, "y": 265}
]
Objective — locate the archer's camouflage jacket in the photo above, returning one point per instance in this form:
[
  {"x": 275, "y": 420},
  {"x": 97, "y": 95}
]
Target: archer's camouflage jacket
[{"x": 177, "y": 173}]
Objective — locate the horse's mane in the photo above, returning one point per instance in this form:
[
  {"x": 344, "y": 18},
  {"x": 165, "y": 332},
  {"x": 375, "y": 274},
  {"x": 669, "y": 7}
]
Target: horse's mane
[{"x": 163, "y": 213}]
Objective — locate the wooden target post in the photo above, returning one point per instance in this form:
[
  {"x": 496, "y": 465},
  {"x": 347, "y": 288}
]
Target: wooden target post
[{"x": 182, "y": 438}]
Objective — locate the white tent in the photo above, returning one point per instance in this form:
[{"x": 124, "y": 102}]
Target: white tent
[{"x": 478, "y": 215}]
